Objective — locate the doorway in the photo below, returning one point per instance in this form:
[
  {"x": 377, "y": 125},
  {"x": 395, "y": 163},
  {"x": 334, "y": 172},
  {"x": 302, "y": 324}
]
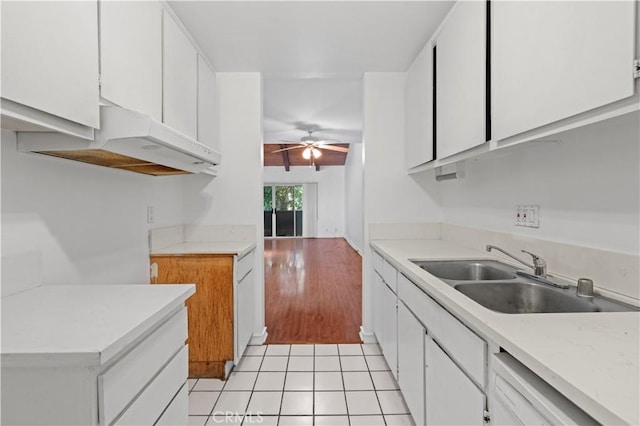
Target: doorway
[{"x": 289, "y": 210}]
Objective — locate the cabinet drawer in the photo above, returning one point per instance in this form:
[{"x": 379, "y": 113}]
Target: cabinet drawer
[
  {"x": 243, "y": 266},
  {"x": 463, "y": 345},
  {"x": 177, "y": 412},
  {"x": 377, "y": 263},
  {"x": 422, "y": 306},
  {"x": 390, "y": 275},
  {"x": 146, "y": 409},
  {"x": 118, "y": 386}
]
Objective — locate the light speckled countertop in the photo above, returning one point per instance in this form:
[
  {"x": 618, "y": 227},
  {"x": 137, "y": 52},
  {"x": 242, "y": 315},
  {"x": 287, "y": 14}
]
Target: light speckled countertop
[
  {"x": 591, "y": 358},
  {"x": 82, "y": 324},
  {"x": 239, "y": 248}
]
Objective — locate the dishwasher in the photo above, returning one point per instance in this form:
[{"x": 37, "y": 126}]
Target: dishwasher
[{"x": 520, "y": 397}]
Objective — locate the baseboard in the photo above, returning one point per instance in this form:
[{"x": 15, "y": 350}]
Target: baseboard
[
  {"x": 367, "y": 337},
  {"x": 259, "y": 338},
  {"x": 353, "y": 246}
]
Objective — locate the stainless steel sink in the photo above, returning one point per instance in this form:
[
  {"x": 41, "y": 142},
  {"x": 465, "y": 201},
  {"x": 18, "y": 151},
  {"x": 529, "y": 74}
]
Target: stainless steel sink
[
  {"x": 516, "y": 297},
  {"x": 468, "y": 270},
  {"x": 504, "y": 288}
]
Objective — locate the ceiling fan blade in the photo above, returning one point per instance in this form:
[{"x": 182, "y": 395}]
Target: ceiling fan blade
[
  {"x": 327, "y": 141},
  {"x": 287, "y": 149},
  {"x": 334, "y": 148}
]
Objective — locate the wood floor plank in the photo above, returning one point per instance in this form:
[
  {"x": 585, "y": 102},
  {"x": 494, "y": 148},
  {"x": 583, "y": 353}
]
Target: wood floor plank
[{"x": 313, "y": 290}]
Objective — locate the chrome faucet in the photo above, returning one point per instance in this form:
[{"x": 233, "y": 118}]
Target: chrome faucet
[{"x": 539, "y": 265}]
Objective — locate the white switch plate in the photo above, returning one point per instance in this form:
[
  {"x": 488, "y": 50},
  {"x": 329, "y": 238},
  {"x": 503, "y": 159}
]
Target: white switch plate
[
  {"x": 527, "y": 215},
  {"x": 533, "y": 219},
  {"x": 150, "y": 214}
]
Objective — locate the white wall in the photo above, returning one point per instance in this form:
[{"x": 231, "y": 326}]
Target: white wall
[
  {"x": 354, "y": 197},
  {"x": 74, "y": 223},
  {"x": 330, "y": 182},
  {"x": 235, "y": 196},
  {"x": 587, "y": 186},
  {"x": 390, "y": 195}
]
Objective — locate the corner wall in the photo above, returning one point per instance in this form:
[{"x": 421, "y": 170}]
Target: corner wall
[
  {"x": 390, "y": 194},
  {"x": 235, "y": 196},
  {"x": 354, "y": 197}
]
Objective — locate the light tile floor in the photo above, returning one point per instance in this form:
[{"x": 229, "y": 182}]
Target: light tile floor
[{"x": 297, "y": 385}]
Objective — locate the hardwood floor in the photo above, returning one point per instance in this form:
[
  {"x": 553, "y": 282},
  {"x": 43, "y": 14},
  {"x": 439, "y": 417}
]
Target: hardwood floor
[{"x": 313, "y": 291}]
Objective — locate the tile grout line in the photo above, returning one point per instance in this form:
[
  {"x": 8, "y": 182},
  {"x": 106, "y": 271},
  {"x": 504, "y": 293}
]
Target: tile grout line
[{"x": 375, "y": 392}]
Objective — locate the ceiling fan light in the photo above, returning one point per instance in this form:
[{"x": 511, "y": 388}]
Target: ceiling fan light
[
  {"x": 306, "y": 154},
  {"x": 316, "y": 152}
]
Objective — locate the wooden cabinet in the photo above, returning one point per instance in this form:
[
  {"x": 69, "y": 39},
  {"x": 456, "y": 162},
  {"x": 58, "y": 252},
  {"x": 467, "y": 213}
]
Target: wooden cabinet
[
  {"x": 451, "y": 398},
  {"x": 50, "y": 59},
  {"x": 418, "y": 95},
  {"x": 180, "y": 79},
  {"x": 552, "y": 60},
  {"x": 411, "y": 372},
  {"x": 131, "y": 55},
  {"x": 207, "y": 105},
  {"x": 461, "y": 120},
  {"x": 221, "y": 311}
]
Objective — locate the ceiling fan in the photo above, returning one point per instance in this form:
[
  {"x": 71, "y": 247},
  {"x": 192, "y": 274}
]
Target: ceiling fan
[{"x": 312, "y": 146}]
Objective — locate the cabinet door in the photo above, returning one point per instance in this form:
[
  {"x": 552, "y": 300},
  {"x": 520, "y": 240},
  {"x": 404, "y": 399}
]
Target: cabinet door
[
  {"x": 418, "y": 95},
  {"x": 378, "y": 289},
  {"x": 461, "y": 79},
  {"x": 451, "y": 398},
  {"x": 50, "y": 58},
  {"x": 180, "y": 80},
  {"x": 244, "y": 313},
  {"x": 131, "y": 55},
  {"x": 411, "y": 362},
  {"x": 390, "y": 329},
  {"x": 552, "y": 60},
  {"x": 207, "y": 106}
]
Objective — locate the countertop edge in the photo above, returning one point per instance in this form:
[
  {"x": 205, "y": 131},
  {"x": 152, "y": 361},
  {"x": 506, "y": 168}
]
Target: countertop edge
[{"x": 100, "y": 356}]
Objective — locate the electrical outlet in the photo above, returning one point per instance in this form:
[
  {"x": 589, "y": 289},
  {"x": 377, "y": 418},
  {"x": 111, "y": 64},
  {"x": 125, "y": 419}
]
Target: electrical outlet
[
  {"x": 150, "y": 214},
  {"x": 527, "y": 215},
  {"x": 519, "y": 215}
]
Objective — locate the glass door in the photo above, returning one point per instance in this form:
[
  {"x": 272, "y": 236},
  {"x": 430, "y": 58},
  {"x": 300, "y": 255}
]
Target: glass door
[{"x": 283, "y": 211}]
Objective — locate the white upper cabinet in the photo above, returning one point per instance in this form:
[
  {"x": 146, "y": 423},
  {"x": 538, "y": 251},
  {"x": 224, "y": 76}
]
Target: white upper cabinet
[
  {"x": 50, "y": 58},
  {"x": 180, "y": 80},
  {"x": 207, "y": 105},
  {"x": 418, "y": 95},
  {"x": 461, "y": 79},
  {"x": 131, "y": 55},
  {"x": 552, "y": 60}
]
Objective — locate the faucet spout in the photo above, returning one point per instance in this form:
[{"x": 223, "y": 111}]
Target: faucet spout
[{"x": 539, "y": 266}]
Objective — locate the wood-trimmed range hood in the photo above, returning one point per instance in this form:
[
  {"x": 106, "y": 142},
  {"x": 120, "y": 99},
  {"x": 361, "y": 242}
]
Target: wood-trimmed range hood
[{"x": 128, "y": 140}]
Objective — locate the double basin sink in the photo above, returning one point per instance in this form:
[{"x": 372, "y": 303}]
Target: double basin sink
[{"x": 500, "y": 287}]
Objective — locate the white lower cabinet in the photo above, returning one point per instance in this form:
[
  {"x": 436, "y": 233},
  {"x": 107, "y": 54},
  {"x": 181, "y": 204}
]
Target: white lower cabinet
[
  {"x": 411, "y": 335},
  {"x": 389, "y": 342},
  {"x": 439, "y": 363},
  {"x": 451, "y": 398},
  {"x": 244, "y": 313},
  {"x": 378, "y": 288}
]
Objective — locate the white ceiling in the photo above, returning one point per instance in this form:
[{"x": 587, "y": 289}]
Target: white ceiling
[{"x": 312, "y": 53}]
